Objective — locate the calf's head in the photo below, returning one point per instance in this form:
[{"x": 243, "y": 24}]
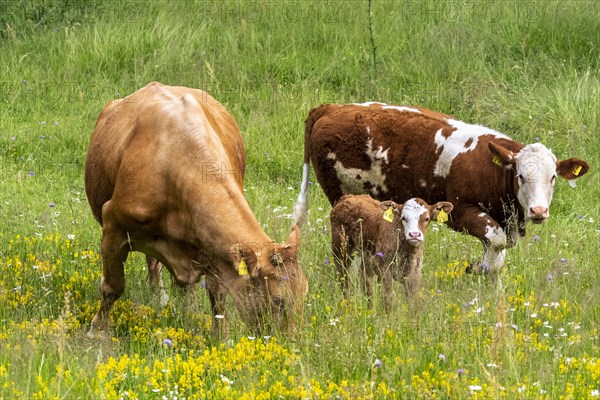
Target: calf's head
[
  {"x": 415, "y": 216},
  {"x": 535, "y": 170},
  {"x": 275, "y": 285}
]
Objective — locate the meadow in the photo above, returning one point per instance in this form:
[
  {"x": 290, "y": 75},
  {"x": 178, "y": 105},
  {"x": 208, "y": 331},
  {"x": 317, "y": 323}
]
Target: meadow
[{"x": 530, "y": 69}]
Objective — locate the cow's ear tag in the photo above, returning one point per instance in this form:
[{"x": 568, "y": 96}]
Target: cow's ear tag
[
  {"x": 388, "y": 215},
  {"x": 243, "y": 269},
  {"x": 576, "y": 170},
  {"x": 442, "y": 216},
  {"x": 496, "y": 160}
]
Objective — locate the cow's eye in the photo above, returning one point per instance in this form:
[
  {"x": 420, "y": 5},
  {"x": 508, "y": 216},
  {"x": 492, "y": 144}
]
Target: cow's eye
[{"x": 519, "y": 179}]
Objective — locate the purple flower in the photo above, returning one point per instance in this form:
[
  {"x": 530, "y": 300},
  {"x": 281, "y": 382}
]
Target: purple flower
[
  {"x": 563, "y": 260},
  {"x": 378, "y": 363},
  {"x": 379, "y": 254},
  {"x": 203, "y": 284},
  {"x": 514, "y": 326},
  {"x": 42, "y": 137},
  {"x": 536, "y": 238},
  {"x": 549, "y": 277},
  {"x": 30, "y": 173},
  {"x": 326, "y": 261},
  {"x": 52, "y": 205},
  {"x": 580, "y": 216},
  {"x": 14, "y": 138},
  {"x": 167, "y": 342},
  {"x": 285, "y": 278},
  {"x": 461, "y": 372}
]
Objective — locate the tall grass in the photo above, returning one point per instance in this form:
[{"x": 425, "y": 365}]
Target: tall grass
[{"x": 529, "y": 69}]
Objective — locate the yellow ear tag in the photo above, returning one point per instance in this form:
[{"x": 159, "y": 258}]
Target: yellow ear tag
[
  {"x": 388, "y": 215},
  {"x": 442, "y": 216},
  {"x": 243, "y": 269},
  {"x": 576, "y": 170},
  {"x": 496, "y": 160}
]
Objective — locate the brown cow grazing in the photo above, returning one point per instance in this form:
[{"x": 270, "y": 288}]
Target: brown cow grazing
[
  {"x": 390, "y": 237},
  {"x": 395, "y": 152},
  {"x": 164, "y": 176}
]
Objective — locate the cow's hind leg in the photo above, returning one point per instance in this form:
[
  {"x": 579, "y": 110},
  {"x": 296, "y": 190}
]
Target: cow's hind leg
[
  {"x": 342, "y": 248},
  {"x": 115, "y": 248}
]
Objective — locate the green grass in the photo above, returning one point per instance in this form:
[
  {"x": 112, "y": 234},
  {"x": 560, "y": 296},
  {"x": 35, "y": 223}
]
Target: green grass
[{"x": 529, "y": 69}]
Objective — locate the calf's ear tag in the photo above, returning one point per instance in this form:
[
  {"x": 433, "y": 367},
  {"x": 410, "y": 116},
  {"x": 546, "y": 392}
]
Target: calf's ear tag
[
  {"x": 243, "y": 269},
  {"x": 496, "y": 160},
  {"x": 442, "y": 216},
  {"x": 388, "y": 215},
  {"x": 576, "y": 170}
]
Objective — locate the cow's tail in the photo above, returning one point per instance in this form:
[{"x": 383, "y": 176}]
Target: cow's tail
[{"x": 301, "y": 207}]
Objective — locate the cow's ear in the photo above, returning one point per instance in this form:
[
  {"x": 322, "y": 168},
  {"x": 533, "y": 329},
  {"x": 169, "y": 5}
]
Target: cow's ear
[
  {"x": 288, "y": 250},
  {"x": 572, "y": 168},
  {"x": 385, "y": 205},
  {"x": 244, "y": 259},
  {"x": 444, "y": 206},
  {"x": 501, "y": 155}
]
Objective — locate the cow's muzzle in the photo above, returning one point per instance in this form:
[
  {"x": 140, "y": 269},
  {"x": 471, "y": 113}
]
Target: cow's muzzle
[{"x": 538, "y": 214}]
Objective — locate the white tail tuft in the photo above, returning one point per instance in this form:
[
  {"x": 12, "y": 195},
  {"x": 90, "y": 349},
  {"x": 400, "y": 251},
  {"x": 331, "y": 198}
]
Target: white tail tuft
[{"x": 301, "y": 207}]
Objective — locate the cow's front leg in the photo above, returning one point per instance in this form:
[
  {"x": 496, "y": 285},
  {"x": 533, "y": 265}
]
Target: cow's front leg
[
  {"x": 155, "y": 280},
  {"x": 217, "y": 295},
  {"x": 474, "y": 221}
]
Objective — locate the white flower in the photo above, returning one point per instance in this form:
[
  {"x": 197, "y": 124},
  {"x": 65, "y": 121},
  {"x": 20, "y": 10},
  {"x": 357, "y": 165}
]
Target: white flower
[
  {"x": 219, "y": 316},
  {"x": 474, "y": 388},
  {"x": 595, "y": 393},
  {"x": 533, "y": 315}
]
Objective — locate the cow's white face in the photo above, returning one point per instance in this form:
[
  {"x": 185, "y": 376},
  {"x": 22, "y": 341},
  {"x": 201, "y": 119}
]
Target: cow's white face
[
  {"x": 412, "y": 213},
  {"x": 535, "y": 176},
  {"x": 416, "y": 215}
]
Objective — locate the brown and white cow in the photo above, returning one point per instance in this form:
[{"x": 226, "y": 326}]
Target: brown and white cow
[
  {"x": 390, "y": 237},
  {"x": 163, "y": 176},
  {"x": 396, "y": 152}
]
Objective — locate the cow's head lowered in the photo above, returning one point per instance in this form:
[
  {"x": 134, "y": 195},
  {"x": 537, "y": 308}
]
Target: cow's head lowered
[
  {"x": 536, "y": 169},
  {"x": 415, "y": 215},
  {"x": 275, "y": 285}
]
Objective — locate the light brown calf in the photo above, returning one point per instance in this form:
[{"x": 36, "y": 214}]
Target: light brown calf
[{"x": 390, "y": 236}]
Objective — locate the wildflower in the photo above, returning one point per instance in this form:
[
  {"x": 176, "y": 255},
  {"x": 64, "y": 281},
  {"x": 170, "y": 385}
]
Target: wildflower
[
  {"x": 549, "y": 277},
  {"x": 378, "y": 363},
  {"x": 333, "y": 321},
  {"x": 42, "y": 137},
  {"x": 580, "y": 216},
  {"x": 30, "y": 173},
  {"x": 326, "y": 261},
  {"x": 52, "y": 205},
  {"x": 461, "y": 372},
  {"x": 225, "y": 380},
  {"x": 55, "y": 123},
  {"x": 442, "y": 357},
  {"x": 43, "y": 123},
  {"x": 595, "y": 393},
  {"x": 71, "y": 236},
  {"x": 285, "y": 278},
  {"x": 167, "y": 342},
  {"x": 203, "y": 284},
  {"x": 379, "y": 254},
  {"x": 13, "y": 138},
  {"x": 219, "y": 316},
  {"x": 514, "y": 326},
  {"x": 563, "y": 260},
  {"x": 535, "y": 238},
  {"x": 474, "y": 388}
]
